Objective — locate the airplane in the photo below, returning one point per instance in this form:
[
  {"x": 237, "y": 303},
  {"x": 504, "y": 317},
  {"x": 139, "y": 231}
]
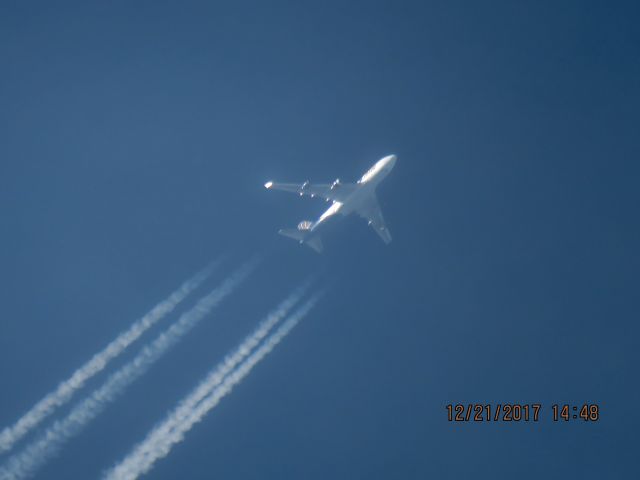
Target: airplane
[{"x": 346, "y": 198}]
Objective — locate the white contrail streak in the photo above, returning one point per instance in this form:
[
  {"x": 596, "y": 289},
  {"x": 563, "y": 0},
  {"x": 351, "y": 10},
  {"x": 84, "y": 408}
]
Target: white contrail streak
[
  {"x": 215, "y": 377},
  {"x": 65, "y": 390},
  {"x": 204, "y": 398},
  {"x": 26, "y": 462}
]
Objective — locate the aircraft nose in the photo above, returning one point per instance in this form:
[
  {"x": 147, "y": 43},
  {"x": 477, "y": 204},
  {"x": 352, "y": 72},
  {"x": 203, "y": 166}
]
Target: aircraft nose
[{"x": 390, "y": 161}]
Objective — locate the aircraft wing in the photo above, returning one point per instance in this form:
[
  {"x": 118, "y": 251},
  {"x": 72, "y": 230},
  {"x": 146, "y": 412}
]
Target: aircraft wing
[
  {"x": 335, "y": 191},
  {"x": 373, "y": 214}
]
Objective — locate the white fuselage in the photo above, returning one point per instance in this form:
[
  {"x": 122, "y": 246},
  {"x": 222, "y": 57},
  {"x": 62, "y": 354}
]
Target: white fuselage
[{"x": 365, "y": 188}]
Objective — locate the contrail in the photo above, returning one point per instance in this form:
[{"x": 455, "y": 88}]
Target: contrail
[
  {"x": 25, "y": 463},
  {"x": 65, "y": 390},
  {"x": 194, "y": 407},
  {"x": 231, "y": 361},
  {"x": 216, "y": 376}
]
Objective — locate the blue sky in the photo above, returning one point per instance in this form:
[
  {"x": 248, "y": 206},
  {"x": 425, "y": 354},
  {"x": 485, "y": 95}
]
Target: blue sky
[{"x": 134, "y": 143}]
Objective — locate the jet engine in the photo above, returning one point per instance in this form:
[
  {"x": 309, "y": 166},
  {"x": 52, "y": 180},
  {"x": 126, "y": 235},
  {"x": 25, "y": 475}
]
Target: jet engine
[{"x": 304, "y": 185}]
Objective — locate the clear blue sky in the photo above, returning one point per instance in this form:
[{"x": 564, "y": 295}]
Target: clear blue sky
[{"x": 135, "y": 138}]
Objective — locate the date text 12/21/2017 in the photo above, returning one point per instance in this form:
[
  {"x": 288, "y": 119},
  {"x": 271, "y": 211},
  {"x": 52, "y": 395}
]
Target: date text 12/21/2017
[{"x": 516, "y": 412}]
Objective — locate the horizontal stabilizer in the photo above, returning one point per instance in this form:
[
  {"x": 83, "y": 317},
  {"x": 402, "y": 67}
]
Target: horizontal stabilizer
[
  {"x": 292, "y": 233},
  {"x": 313, "y": 242}
]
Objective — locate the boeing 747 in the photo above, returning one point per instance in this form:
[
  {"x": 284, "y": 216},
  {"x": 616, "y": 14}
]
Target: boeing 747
[{"x": 346, "y": 198}]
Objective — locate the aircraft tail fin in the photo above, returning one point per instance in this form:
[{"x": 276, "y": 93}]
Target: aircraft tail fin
[{"x": 300, "y": 235}]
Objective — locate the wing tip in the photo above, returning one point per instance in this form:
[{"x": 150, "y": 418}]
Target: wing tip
[{"x": 386, "y": 236}]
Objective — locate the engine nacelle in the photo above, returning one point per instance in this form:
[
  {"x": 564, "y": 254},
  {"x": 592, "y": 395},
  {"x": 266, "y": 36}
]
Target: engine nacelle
[{"x": 305, "y": 225}]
